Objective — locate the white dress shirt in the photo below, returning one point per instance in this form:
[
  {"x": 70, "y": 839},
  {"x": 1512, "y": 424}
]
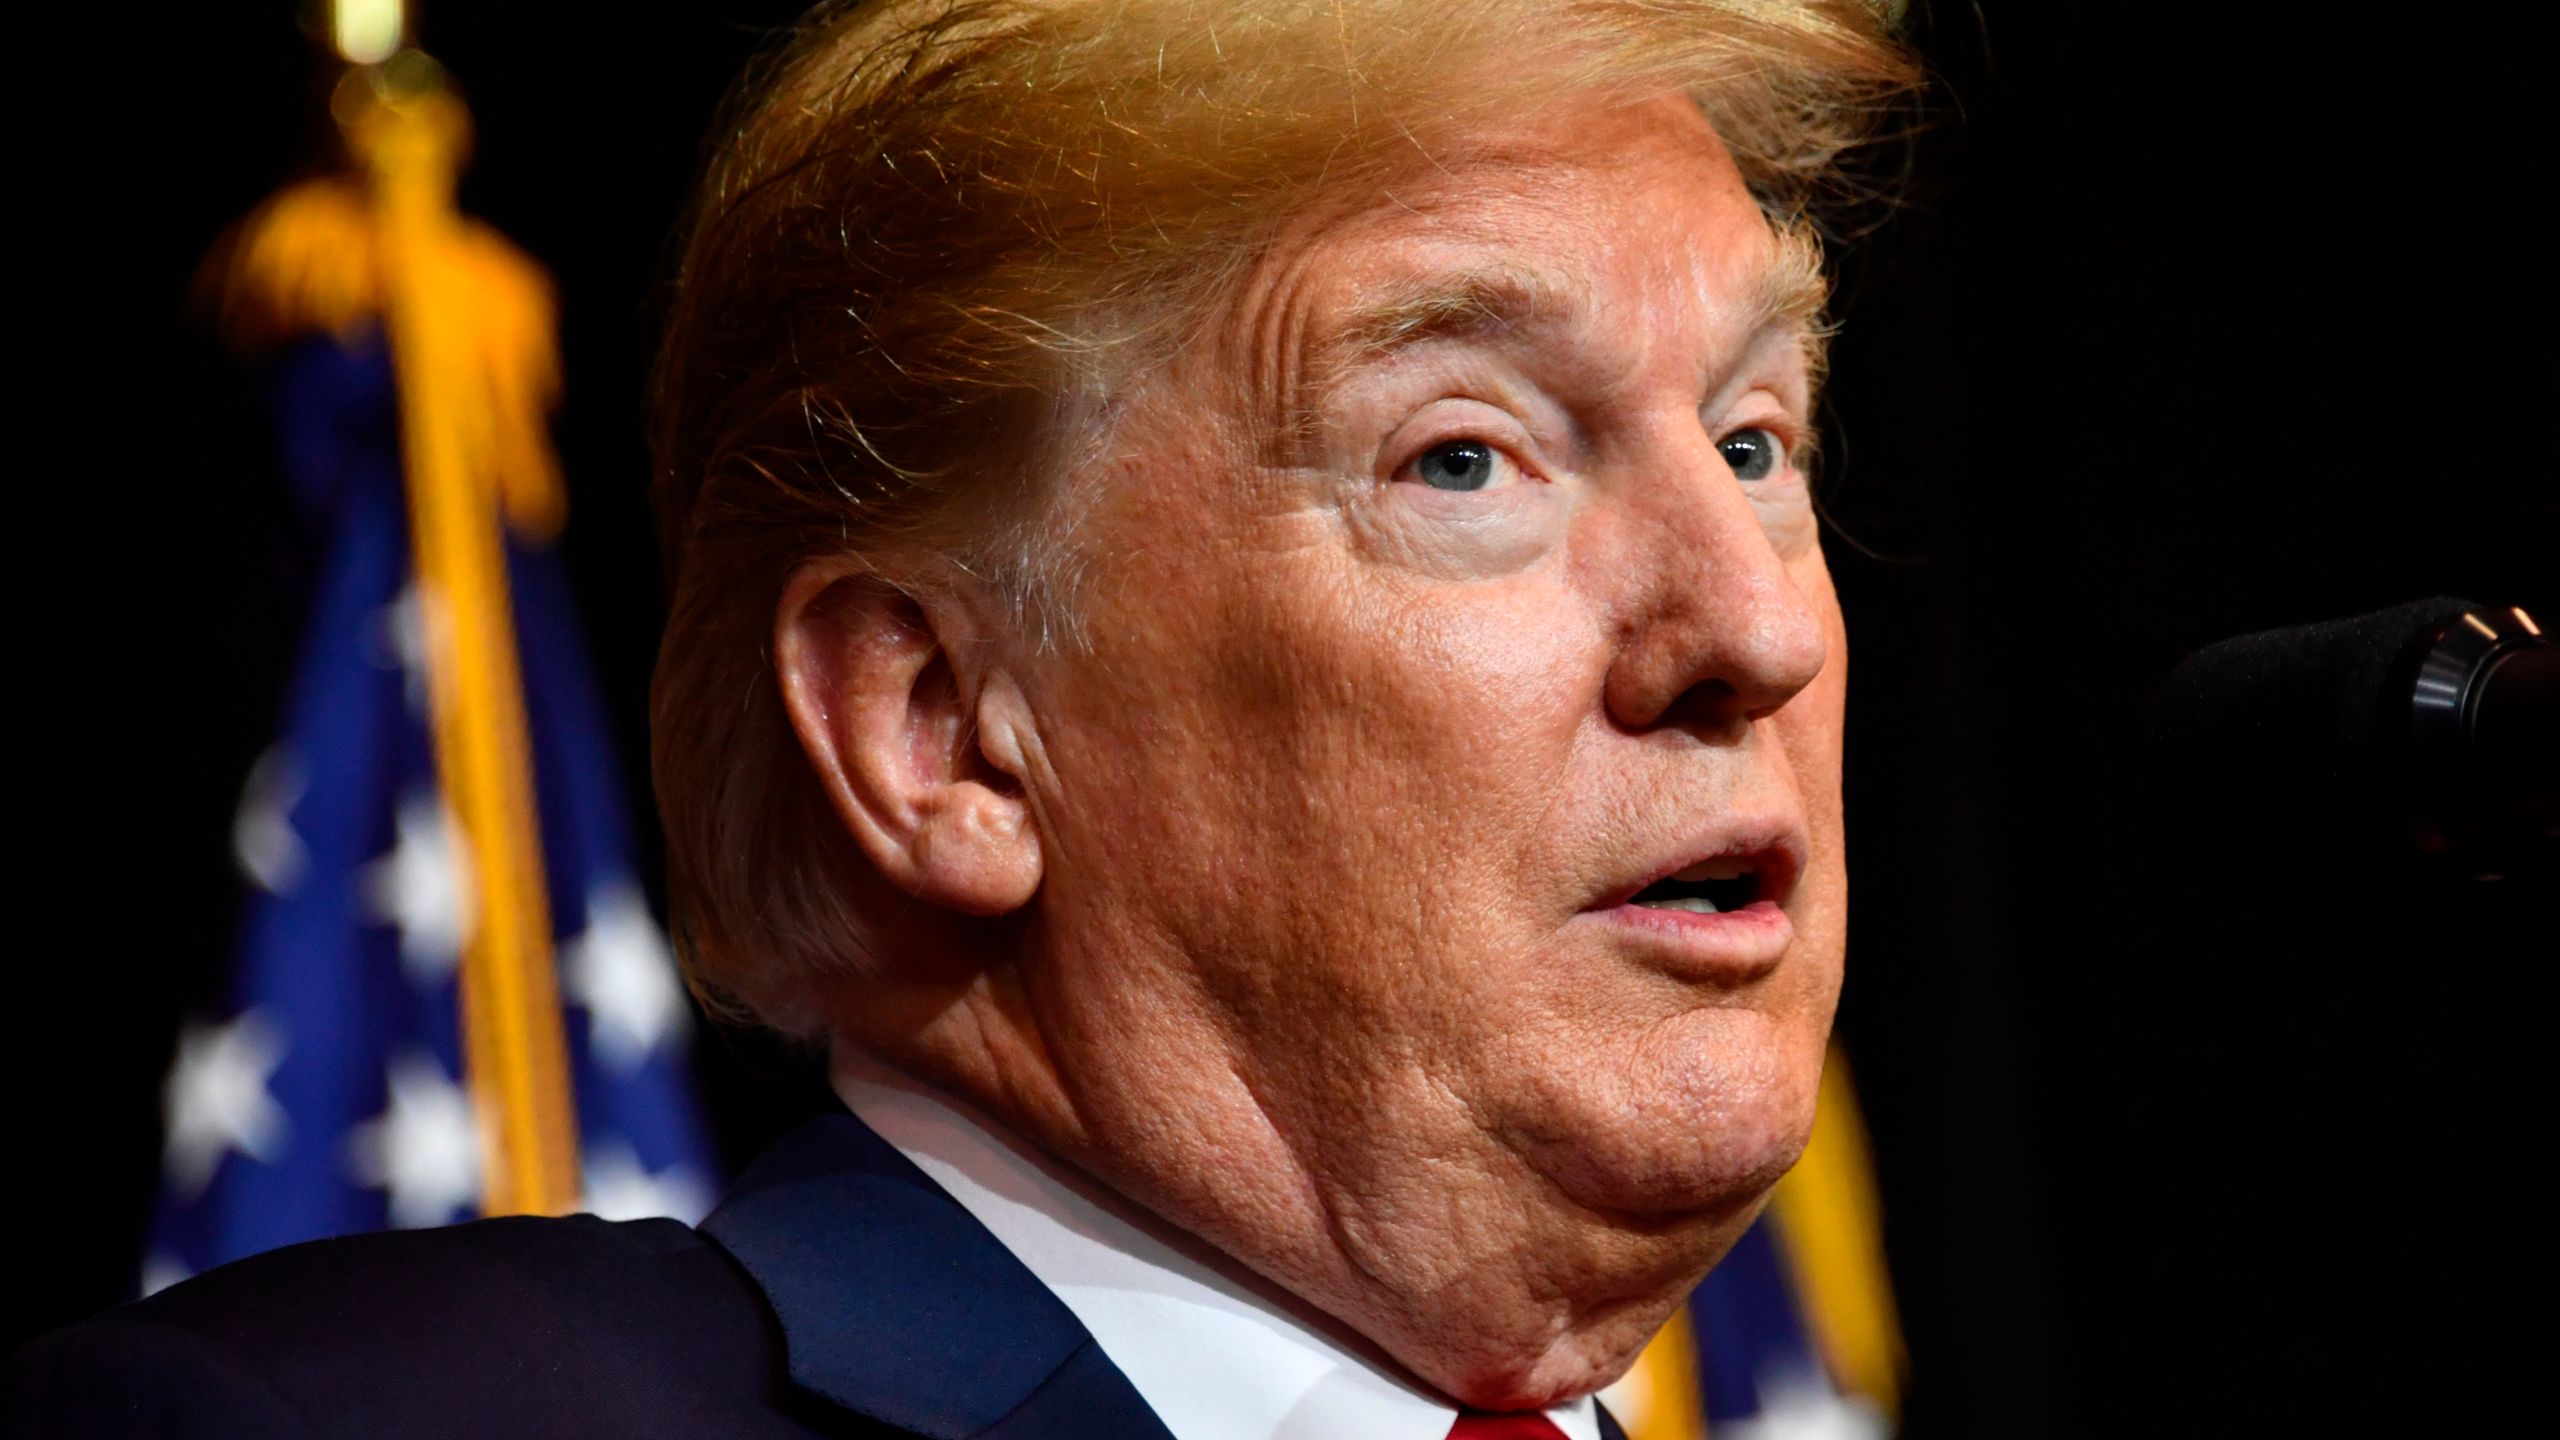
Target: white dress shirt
[{"x": 1211, "y": 1354}]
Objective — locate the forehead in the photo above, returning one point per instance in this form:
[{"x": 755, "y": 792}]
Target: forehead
[{"x": 1628, "y": 221}]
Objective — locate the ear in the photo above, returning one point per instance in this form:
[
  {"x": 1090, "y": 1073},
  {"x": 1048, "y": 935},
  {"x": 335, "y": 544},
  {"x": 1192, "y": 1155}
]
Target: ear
[{"x": 885, "y": 695}]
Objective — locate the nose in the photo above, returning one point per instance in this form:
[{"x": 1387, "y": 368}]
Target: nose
[{"x": 1716, "y": 631}]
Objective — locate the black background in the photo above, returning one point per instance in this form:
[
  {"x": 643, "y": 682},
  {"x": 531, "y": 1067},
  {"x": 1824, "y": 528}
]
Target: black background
[{"x": 2196, "y": 319}]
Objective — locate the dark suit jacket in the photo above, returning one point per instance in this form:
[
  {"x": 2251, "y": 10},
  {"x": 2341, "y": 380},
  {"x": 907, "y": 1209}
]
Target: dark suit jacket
[{"x": 836, "y": 1292}]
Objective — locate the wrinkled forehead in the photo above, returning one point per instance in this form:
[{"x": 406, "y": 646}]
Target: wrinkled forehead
[{"x": 1619, "y": 224}]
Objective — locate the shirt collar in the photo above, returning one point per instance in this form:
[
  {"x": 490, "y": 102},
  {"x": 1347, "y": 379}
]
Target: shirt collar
[{"x": 1211, "y": 1353}]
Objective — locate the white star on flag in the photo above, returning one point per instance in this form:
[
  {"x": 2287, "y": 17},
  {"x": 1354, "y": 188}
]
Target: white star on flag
[
  {"x": 621, "y": 970},
  {"x": 423, "y": 888},
  {"x": 215, "y": 1100},
  {"x": 424, "y": 1149},
  {"x": 407, "y": 641},
  {"x": 160, "y": 1270},
  {"x": 619, "y": 1187},
  {"x": 263, "y": 839}
]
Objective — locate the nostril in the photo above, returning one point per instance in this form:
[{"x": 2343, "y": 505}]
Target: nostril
[{"x": 1709, "y": 705}]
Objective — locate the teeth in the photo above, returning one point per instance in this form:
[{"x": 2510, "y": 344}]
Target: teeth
[
  {"x": 1731, "y": 867},
  {"x": 1694, "y": 904}
]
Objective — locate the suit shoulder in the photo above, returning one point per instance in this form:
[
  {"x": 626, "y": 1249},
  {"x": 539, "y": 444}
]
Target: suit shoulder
[
  {"x": 495, "y": 1280},
  {"x": 130, "y": 1376},
  {"x": 529, "y": 1326}
]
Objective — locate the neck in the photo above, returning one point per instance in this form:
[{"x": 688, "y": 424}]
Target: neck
[{"x": 1453, "y": 1270}]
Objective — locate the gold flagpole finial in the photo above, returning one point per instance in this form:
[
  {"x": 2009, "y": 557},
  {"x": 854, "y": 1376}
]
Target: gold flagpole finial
[{"x": 367, "y": 32}]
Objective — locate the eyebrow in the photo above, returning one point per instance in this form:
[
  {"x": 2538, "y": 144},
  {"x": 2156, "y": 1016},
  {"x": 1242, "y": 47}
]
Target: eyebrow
[
  {"x": 1787, "y": 291},
  {"x": 1485, "y": 300}
]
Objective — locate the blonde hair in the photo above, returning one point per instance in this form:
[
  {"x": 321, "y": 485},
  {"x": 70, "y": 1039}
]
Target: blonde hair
[{"x": 932, "y": 234}]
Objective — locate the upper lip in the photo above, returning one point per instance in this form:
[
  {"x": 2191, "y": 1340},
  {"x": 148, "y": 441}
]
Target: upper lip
[{"x": 1773, "y": 848}]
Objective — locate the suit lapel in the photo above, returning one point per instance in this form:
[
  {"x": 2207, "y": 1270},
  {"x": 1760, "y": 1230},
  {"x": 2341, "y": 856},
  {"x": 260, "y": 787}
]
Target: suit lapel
[{"x": 896, "y": 1303}]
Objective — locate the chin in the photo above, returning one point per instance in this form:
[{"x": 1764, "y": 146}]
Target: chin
[
  {"x": 1586, "y": 1358},
  {"x": 1697, "y": 1121}
]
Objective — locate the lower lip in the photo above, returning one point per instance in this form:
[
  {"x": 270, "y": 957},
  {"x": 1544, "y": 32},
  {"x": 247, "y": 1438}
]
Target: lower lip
[{"x": 1723, "y": 945}]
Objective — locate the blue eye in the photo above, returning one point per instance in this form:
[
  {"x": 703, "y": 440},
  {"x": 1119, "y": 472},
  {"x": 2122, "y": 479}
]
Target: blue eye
[
  {"x": 1754, "y": 454},
  {"x": 1456, "y": 465}
]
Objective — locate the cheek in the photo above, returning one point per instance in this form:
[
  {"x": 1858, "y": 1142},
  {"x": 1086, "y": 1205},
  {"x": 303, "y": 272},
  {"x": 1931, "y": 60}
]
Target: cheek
[
  {"x": 1445, "y": 535},
  {"x": 1809, "y": 728},
  {"x": 1364, "y": 760},
  {"x": 1411, "y": 734},
  {"x": 1787, "y": 517}
]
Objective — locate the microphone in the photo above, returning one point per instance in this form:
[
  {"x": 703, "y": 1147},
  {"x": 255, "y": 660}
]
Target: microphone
[{"x": 2421, "y": 739}]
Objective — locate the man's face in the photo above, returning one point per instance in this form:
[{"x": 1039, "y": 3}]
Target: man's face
[{"x": 1460, "y": 593}]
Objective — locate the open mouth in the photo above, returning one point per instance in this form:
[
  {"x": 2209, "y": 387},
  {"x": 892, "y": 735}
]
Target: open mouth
[{"x": 1709, "y": 887}]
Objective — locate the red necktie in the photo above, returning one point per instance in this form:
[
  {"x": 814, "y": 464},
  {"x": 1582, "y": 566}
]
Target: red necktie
[{"x": 1531, "y": 1426}]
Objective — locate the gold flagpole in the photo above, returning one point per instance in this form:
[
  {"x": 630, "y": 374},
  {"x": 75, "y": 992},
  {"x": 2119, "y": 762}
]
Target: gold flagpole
[{"x": 467, "y": 319}]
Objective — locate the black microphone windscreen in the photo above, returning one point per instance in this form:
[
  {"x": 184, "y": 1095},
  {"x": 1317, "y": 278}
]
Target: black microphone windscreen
[{"x": 2293, "y": 741}]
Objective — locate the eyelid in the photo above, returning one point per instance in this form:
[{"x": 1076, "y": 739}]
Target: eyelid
[
  {"x": 1784, "y": 435},
  {"x": 1482, "y": 422},
  {"x": 1793, "y": 434},
  {"x": 1795, "y": 450},
  {"x": 1758, "y": 408},
  {"x": 1503, "y": 456}
]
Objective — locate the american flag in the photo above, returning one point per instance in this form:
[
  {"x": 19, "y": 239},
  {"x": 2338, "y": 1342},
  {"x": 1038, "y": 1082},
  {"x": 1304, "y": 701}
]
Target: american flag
[{"x": 329, "y": 1094}]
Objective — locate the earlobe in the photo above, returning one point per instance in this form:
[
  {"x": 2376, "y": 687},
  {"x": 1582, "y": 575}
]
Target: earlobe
[{"x": 883, "y": 690}]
